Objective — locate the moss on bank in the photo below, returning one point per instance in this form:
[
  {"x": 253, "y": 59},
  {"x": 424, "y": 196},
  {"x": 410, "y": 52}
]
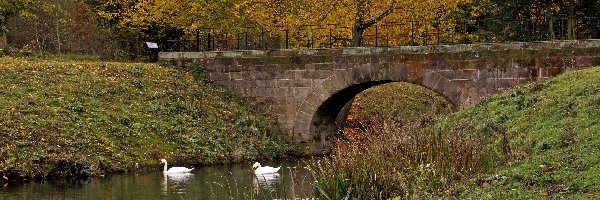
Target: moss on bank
[{"x": 88, "y": 118}]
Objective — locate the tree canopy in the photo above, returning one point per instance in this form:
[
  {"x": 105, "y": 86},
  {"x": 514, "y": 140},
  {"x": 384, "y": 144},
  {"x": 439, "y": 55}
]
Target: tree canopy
[{"x": 318, "y": 23}]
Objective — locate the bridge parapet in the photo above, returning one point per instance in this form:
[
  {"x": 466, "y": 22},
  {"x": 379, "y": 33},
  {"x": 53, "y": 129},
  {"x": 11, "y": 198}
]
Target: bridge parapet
[{"x": 305, "y": 90}]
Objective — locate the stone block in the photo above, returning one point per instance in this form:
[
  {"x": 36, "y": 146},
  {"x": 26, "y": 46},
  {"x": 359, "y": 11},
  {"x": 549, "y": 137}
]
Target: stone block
[
  {"x": 261, "y": 83},
  {"x": 284, "y": 74},
  {"x": 454, "y": 95},
  {"x": 324, "y": 66},
  {"x": 583, "y": 61},
  {"x": 220, "y": 76},
  {"x": 344, "y": 79},
  {"x": 301, "y": 92},
  {"x": 239, "y": 75},
  {"x": 329, "y": 86},
  {"x": 316, "y": 82},
  {"x": 290, "y": 109},
  {"x": 296, "y": 82},
  {"x": 321, "y": 74},
  {"x": 299, "y": 74},
  {"x": 445, "y": 87},
  {"x": 278, "y": 92},
  {"x": 302, "y": 124},
  {"x": 313, "y": 100},
  {"x": 548, "y": 62},
  {"x": 306, "y": 108},
  {"x": 462, "y": 83},
  {"x": 321, "y": 93}
]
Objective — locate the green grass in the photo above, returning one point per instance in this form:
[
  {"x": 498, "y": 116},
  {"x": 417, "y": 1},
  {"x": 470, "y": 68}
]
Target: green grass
[
  {"x": 535, "y": 141},
  {"x": 88, "y": 118},
  {"x": 552, "y": 143}
]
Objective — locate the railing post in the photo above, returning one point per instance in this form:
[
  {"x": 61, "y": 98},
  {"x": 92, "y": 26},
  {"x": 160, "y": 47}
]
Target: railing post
[
  {"x": 198, "y": 40},
  {"x": 465, "y": 27},
  {"x": 208, "y": 41},
  {"x": 286, "y": 38},
  {"x": 246, "y": 40},
  {"x": 226, "y": 47},
  {"x": 238, "y": 40}
]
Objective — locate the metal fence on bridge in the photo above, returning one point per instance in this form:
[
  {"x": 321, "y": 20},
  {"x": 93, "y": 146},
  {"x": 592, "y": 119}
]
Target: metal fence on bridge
[{"x": 411, "y": 32}]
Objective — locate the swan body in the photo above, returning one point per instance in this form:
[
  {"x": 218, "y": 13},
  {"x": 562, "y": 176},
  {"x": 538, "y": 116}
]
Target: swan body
[
  {"x": 174, "y": 170},
  {"x": 264, "y": 170}
]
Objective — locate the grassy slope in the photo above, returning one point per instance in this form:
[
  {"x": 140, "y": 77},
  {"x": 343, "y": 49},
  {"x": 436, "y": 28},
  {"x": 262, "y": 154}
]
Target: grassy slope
[
  {"x": 400, "y": 103},
  {"x": 88, "y": 118},
  {"x": 552, "y": 145}
]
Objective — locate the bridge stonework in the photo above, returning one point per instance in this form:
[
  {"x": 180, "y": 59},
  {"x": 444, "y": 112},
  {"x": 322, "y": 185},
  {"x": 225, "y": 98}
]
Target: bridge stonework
[{"x": 305, "y": 90}]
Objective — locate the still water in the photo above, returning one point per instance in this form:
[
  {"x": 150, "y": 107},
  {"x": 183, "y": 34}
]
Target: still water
[{"x": 212, "y": 182}]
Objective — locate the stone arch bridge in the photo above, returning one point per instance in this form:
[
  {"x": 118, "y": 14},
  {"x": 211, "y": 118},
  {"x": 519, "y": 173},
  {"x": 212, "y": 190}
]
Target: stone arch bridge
[{"x": 305, "y": 90}]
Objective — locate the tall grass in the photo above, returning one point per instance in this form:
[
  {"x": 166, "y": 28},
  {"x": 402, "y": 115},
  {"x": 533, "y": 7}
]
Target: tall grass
[
  {"x": 390, "y": 148},
  {"x": 394, "y": 160}
]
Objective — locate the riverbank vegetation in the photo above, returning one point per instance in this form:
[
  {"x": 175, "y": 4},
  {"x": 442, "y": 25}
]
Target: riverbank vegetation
[
  {"x": 88, "y": 118},
  {"x": 538, "y": 140}
]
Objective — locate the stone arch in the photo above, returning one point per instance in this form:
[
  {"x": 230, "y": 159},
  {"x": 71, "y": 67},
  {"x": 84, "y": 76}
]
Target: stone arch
[{"x": 318, "y": 112}]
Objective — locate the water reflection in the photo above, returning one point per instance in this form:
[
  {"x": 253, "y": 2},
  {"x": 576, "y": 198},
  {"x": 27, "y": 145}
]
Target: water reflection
[
  {"x": 267, "y": 181},
  {"x": 175, "y": 183},
  {"x": 212, "y": 182}
]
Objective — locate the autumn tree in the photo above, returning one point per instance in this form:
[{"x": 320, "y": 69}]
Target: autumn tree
[
  {"x": 350, "y": 20},
  {"x": 8, "y": 9},
  {"x": 61, "y": 26},
  {"x": 525, "y": 20}
]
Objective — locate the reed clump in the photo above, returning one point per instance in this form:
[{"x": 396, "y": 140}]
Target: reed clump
[{"x": 389, "y": 148}]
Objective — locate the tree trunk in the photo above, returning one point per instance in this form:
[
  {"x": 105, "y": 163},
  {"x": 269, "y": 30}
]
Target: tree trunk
[
  {"x": 3, "y": 40},
  {"x": 550, "y": 18},
  {"x": 571, "y": 21},
  {"x": 360, "y": 25},
  {"x": 357, "y": 36}
]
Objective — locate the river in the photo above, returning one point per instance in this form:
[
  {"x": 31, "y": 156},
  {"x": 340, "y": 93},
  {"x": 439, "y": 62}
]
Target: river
[{"x": 208, "y": 182}]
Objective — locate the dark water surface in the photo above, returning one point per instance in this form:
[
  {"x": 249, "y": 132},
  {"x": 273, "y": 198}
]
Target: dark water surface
[{"x": 212, "y": 182}]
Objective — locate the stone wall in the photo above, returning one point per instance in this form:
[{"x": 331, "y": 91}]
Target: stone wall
[{"x": 304, "y": 90}]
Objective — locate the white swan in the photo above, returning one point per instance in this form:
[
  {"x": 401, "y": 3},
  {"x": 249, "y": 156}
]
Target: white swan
[
  {"x": 174, "y": 170},
  {"x": 264, "y": 170}
]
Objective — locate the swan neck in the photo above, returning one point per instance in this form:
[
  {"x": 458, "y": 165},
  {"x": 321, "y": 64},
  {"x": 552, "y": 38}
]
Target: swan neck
[{"x": 165, "y": 167}]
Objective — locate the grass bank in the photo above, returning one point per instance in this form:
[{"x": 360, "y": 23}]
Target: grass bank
[
  {"x": 535, "y": 141},
  {"x": 88, "y": 118},
  {"x": 543, "y": 140}
]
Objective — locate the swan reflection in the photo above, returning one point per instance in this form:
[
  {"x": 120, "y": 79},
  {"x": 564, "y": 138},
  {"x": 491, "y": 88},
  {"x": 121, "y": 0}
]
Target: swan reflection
[
  {"x": 176, "y": 183},
  {"x": 267, "y": 181}
]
